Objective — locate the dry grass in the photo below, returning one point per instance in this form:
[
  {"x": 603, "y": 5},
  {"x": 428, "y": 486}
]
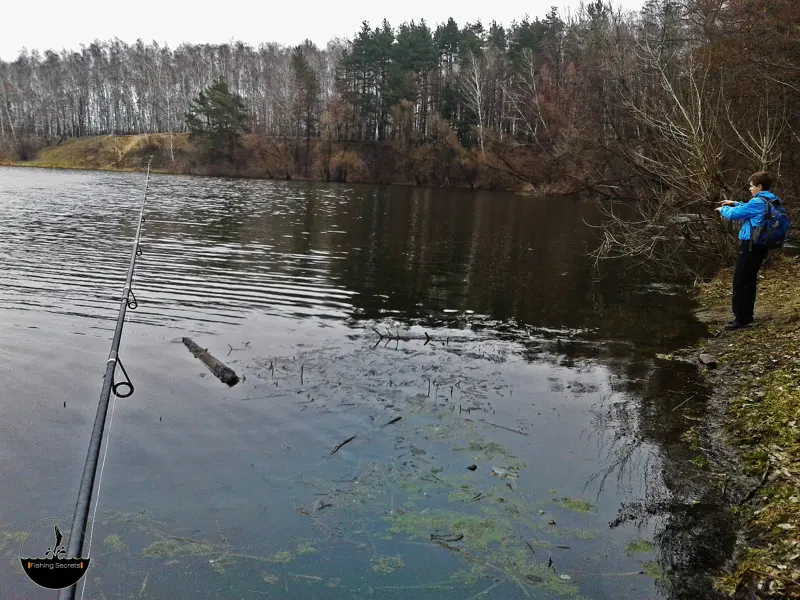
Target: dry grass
[
  {"x": 115, "y": 153},
  {"x": 759, "y": 376}
]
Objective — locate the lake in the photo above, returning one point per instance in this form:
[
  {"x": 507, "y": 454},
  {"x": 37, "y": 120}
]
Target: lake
[{"x": 439, "y": 329}]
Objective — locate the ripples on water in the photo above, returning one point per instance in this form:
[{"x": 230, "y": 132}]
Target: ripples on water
[
  {"x": 218, "y": 249},
  {"x": 209, "y": 256}
]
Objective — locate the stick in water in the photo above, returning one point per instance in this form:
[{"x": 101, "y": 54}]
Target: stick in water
[{"x": 335, "y": 450}]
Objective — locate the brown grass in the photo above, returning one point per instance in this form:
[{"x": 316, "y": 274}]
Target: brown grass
[{"x": 115, "y": 153}]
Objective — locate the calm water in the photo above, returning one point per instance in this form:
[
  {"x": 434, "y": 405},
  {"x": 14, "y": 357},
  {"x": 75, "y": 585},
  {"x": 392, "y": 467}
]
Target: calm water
[{"x": 540, "y": 371}]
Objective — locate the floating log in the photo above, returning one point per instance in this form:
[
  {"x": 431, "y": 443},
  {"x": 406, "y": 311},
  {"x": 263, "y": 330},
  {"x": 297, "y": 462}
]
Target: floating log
[{"x": 224, "y": 373}]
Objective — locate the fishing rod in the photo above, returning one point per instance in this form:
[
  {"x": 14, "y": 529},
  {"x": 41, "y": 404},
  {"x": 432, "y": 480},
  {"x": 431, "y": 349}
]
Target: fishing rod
[{"x": 123, "y": 389}]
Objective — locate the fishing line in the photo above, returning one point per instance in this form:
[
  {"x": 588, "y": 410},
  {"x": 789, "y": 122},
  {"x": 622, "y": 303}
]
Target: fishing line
[
  {"x": 100, "y": 483},
  {"x": 102, "y": 469},
  {"x": 121, "y": 389}
]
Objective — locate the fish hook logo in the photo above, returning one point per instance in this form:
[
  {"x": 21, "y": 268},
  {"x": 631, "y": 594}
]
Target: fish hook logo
[{"x": 53, "y": 570}]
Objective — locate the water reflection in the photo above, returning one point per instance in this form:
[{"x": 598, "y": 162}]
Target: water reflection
[{"x": 495, "y": 278}]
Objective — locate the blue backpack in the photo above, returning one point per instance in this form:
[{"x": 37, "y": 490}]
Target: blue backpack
[{"x": 771, "y": 232}]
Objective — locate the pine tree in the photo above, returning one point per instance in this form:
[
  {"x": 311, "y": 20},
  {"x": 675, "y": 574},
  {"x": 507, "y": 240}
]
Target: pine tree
[
  {"x": 217, "y": 119},
  {"x": 307, "y": 84}
]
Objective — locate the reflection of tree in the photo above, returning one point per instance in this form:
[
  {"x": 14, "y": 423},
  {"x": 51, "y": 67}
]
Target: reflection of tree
[
  {"x": 522, "y": 259},
  {"x": 694, "y": 531}
]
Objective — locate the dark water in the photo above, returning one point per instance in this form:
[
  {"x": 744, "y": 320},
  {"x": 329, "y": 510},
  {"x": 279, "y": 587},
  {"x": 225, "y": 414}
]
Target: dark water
[{"x": 537, "y": 366}]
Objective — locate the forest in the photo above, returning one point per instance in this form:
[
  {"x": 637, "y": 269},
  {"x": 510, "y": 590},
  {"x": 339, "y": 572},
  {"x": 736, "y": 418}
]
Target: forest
[{"x": 673, "y": 105}]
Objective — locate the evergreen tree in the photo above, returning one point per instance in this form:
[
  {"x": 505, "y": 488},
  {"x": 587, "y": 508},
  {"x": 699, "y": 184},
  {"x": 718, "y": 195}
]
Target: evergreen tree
[
  {"x": 307, "y": 85},
  {"x": 217, "y": 119}
]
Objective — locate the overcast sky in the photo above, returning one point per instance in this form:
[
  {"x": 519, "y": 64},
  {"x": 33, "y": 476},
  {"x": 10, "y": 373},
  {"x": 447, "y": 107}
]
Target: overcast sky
[{"x": 58, "y": 24}]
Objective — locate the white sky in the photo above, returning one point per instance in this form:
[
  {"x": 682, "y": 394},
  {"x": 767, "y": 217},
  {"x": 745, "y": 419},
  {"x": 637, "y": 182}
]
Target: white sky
[{"x": 58, "y": 24}]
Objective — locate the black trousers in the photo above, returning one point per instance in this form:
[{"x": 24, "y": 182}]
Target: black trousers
[{"x": 744, "y": 280}]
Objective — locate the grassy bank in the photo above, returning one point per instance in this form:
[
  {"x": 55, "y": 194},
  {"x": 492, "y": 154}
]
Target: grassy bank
[
  {"x": 758, "y": 384},
  {"x": 169, "y": 153},
  {"x": 437, "y": 163}
]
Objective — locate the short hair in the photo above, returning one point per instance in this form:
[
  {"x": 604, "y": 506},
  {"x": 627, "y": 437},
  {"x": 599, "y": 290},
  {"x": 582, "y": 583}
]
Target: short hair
[{"x": 762, "y": 178}]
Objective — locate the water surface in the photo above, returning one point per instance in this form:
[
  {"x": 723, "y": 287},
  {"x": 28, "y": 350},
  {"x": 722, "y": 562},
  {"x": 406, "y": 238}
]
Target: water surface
[{"x": 475, "y": 317}]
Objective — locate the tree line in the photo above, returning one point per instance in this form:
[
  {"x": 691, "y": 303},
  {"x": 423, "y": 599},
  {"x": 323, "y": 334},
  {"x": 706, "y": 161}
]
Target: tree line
[{"x": 670, "y": 104}]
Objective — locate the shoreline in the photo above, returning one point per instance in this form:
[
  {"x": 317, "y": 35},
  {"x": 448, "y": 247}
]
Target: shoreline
[
  {"x": 753, "y": 428},
  {"x": 265, "y": 159}
]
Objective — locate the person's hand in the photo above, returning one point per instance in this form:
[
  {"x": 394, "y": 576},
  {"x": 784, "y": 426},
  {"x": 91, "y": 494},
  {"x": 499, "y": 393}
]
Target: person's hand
[
  {"x": 727, "y": 203},
  {"x": 718, "y": 209}
]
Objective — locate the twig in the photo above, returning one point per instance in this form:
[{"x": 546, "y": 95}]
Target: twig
[
  {"x": 682, "y": 403},
  {"x": 224, "y": 539},
  {"x": 530, "y": 547},
  {"x": 144, "y": 585},
  {"x": 761, "y": 484},
  {"x": 311, "y": 577},
  {"x": 773, "y": 576},
  {"x": 335, "y": 450},
  {"x": 231, "y": 348},
  {"x": 506, "y": 428},
  {"x": 183, "y": 539},
  {"x": 485, "y": 592},
  {"x": 395, "y": 420},
  {"x": 447, "y": 537}
]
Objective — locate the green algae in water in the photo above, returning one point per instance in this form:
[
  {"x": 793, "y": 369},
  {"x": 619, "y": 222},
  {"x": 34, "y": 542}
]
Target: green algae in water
[
  {"x": 11, "y": 539},
  {"x": 464, "y": 494},
  {"x": 171, "y": 548},
  {"x": 485, "y": 449},
  {"x": 582, "y": 534},
  {"x": 653, "y": 569},
  {"x": 114, "y": 543},
  {"x": 388, "y": 564},
  {"x": 281, "y": 557},
  {"x": 218, "y": 566},
  {"x": 270, "y": 578},
  {"x": 306, "y": 548},
  {"x": 478, "y": 531},
  {"x": 575, "y": 504},
  {"x": 470, "y": 577},
  {"x": 440, "y": 432},
  {"x": 639, "y": 546},
  {"x": 522, "y": 570}
]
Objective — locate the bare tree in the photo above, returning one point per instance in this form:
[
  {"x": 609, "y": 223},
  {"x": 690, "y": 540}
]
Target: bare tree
[
  {"x": 473, "y": 86},
  {"x": 679, "y": 158},
  {"x": 524, "y": 98}
]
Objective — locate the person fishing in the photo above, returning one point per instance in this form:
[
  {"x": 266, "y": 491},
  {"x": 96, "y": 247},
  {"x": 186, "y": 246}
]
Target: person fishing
[{"x": 751, "y": 252}]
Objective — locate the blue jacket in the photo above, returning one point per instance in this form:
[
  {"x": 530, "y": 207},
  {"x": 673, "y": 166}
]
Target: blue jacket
[{"x": 751, "y": 212}]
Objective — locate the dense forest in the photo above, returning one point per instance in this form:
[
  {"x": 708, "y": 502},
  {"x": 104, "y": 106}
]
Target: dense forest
[{"x": 674, "y": 104}]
